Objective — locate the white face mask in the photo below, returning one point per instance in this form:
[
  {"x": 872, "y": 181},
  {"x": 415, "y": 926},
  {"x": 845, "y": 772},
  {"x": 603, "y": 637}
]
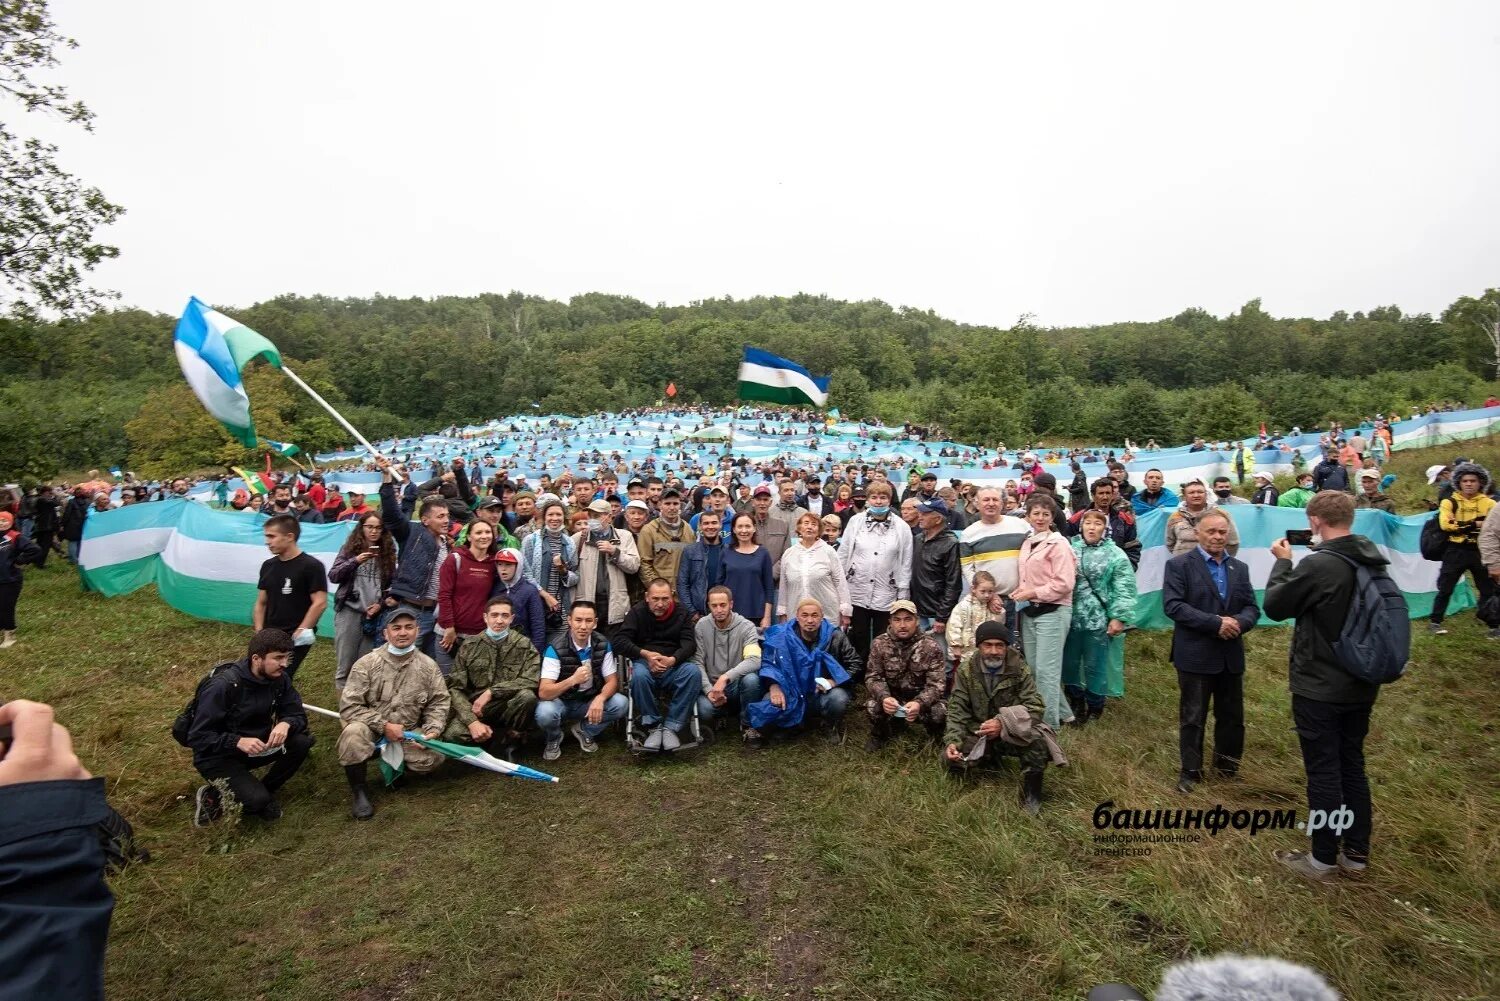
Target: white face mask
[
  {"x": 400, "y": 651},
  {"x": 496, "y": 636}
]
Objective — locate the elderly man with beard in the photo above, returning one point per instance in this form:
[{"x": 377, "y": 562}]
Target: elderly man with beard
[
  {"x": 991, "y": 679},
  {"x": 906, "y": 676}
]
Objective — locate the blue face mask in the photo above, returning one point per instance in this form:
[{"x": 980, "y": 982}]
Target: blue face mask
[
  {"x": 879, "y": 510},
  {"x": 497, "y": 636},
  {"x": 400, "y": 651}
]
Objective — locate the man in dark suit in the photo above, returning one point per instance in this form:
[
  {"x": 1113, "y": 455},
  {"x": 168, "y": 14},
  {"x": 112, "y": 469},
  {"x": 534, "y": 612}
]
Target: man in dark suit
[{"x": 1207, "y": 593}]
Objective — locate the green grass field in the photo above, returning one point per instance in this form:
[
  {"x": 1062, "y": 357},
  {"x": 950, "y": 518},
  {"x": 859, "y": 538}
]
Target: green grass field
[{"x": 806, "y": 871}]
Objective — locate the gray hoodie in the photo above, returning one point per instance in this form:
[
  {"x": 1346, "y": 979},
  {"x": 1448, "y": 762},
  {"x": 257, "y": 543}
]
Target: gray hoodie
[{"x": 733, "y": 650}]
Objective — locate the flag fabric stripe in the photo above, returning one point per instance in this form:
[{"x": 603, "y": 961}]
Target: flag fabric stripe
[
  {"x": 207, "y": 562},
  {"x": 772, "y": 379}
]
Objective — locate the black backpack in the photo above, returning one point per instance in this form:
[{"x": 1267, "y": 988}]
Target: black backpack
[
  {"x": 183, "y": 724},
  {"x": 1434, "y": 541},
  {"x": 1375, "y": 641}
]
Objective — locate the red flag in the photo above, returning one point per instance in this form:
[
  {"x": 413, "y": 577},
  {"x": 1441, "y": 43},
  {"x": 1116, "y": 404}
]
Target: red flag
[{"x": 671, "y": 389}]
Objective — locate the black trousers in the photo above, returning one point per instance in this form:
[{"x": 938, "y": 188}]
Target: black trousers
[
  {"x": 44, "y": 540},
  {"x": 1458, "y": 559},
  {"x": 864, "y": 625},
  {"x": 9, "y": 595},
  {"x": 299, "y": 654},
  {"x": 1227, "y": 693},
  {"x": 239, "y": 771},
  {"x": 1332, "y": 735}
]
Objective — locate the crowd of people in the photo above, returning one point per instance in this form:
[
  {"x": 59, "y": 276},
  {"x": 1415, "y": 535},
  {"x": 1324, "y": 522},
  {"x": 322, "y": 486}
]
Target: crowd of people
[{"x": 513, "y": 619}]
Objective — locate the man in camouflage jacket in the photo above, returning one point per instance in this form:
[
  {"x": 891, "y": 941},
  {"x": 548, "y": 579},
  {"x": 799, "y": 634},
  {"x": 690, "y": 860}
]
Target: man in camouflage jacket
[
  {"x": 906, "y": 677},
  {"x": 493, "y": 684},
  {"x": 994, "y": 676},
  {"x": 390, "y": 690}
]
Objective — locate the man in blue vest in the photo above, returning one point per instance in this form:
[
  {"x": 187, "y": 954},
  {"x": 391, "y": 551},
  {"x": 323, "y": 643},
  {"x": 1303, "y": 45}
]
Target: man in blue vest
[{"x": 579, "y": 685}]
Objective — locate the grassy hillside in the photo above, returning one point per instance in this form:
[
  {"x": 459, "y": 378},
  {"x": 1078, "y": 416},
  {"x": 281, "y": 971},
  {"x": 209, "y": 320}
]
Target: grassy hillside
[{"x": 803, "y": 872}]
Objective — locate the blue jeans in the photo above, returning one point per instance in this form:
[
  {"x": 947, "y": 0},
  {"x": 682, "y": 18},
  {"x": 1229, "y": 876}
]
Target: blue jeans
[
  {"x": 924, "y": 623},
  {"x": 73, "y": 551},
  {"x": 551, "y": 715},
  {"x": 830, "y": 705},
  {"x": 680, "y": 686},
  {"x": 749, "y": 689}
]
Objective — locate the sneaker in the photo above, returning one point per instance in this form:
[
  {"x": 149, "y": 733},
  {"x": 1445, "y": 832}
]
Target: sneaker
[
  {"x": 1304, "y": 865},
  {"x": 1349, "y": 867},
  {"x": 655, "y": 740},
  {"x": 669, "y": 740},
  {"x": 553, "y": 750},
  {"x": 206, "y": 806},
  {"x": 1493, "y": 634},
  {"x": 1436, "y": 629},
  {"x": 753, "y": 739},
  {"x": 586, "y": 742},
  {"x": 8, "y": 640}
]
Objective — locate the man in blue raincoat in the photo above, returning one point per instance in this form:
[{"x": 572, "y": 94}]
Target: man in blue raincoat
[{"x": 807, "y": 667}]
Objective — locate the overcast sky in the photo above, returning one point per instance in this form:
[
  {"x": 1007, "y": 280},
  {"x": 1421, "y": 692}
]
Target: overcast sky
[{"x": 1083, "y": 162}]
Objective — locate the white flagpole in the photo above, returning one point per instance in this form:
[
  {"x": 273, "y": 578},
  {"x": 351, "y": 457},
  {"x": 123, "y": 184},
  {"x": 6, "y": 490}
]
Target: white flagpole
[{"x": 332, "y": 412}]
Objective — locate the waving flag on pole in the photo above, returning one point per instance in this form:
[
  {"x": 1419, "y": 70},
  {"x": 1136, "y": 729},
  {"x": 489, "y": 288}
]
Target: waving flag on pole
[
  {"x": 212, "y": 349},
  {"x": 254, "y": 482},
  {"x": 764, "y": 376},
  {"x": 282, "y": 448}
]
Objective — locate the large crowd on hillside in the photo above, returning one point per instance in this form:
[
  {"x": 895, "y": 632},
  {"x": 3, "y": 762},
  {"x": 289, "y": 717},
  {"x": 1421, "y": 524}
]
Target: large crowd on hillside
[{"x": 772, "y": 599}]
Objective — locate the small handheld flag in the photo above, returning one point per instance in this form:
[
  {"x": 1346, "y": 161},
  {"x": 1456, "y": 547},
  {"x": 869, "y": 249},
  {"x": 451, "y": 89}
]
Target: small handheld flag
[{"x": 282, "y": 448}]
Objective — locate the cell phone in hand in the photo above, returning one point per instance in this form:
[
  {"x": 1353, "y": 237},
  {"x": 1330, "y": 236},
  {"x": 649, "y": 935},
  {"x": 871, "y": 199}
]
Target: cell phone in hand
[{"x": 1299, "y": 537}]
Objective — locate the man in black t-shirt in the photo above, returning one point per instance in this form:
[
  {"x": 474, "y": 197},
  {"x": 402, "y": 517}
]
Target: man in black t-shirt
[{"x": 293, "y": 588}]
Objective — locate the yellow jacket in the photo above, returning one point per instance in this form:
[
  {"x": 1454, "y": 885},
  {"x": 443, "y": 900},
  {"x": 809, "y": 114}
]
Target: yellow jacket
[{"x": 1462, "y": 517}]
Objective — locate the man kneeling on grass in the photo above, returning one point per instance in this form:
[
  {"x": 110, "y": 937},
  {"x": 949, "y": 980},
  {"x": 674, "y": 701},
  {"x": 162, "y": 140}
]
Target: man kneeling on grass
[
  {"x": 579, "y": 684},
  {"x": 392, "y": 689},
  {"x": 906, "y": 677},
  {"x": 807, "y": 666},
  {"x": 493, "y": 684},
  {"x": 991, "y": 680},
  {"x": 248, "y": 716}
]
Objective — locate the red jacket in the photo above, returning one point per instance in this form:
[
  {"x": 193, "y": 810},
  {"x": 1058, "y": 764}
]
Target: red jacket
[{"x": 464, "y": 588}]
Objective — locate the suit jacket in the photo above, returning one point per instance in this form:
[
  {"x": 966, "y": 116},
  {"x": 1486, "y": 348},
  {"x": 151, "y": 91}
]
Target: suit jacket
[{"x": 1191, "y": 600}]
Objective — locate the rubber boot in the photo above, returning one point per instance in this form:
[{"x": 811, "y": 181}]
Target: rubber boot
[
  {"x": 1031, "y": 792},
  {"x": 880, "y": 734},
  {"x": 360, "y": 805}
]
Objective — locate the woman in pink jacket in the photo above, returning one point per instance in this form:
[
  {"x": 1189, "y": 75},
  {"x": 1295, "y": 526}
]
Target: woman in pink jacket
[{"x": 1048, "y": 571}]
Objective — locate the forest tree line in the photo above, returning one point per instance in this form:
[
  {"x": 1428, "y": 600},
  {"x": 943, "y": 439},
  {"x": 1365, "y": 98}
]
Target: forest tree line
[{"x": 106, "y": 390}]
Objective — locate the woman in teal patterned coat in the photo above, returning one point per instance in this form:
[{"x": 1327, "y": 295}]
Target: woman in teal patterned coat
[{"x": 1103, "y": 608}]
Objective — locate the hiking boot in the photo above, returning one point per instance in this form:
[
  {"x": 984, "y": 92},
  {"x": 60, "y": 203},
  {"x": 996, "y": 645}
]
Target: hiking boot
[
  {"x": 207, "y": 806},
  {"x": 1436, "y": 629},
  {"x": 586, "y": 742},
  {"x": 880, "y": 735},
  {"x": 1095, "y": 712},
  {"x": 553, "y": 750},
  {"x": 1351, "y": 867},
  {"x": 753, "y": 739},
  {"x": 360, "y": 806},
  {"x": 1304, "y": 865},
  {"x": 1031, "y": 792}
]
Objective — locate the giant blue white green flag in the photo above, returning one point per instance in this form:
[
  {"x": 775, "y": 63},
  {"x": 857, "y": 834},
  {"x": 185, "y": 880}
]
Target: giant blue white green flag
[
  {"x": 207, "y": 562},
  {"x": 212, "y": 349},
  {"x": 770, "y": 379}
]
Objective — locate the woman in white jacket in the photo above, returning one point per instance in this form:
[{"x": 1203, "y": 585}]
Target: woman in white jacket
[
  {"x": 811, "y": 569},
  {"x": 876, "y": 555}
]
